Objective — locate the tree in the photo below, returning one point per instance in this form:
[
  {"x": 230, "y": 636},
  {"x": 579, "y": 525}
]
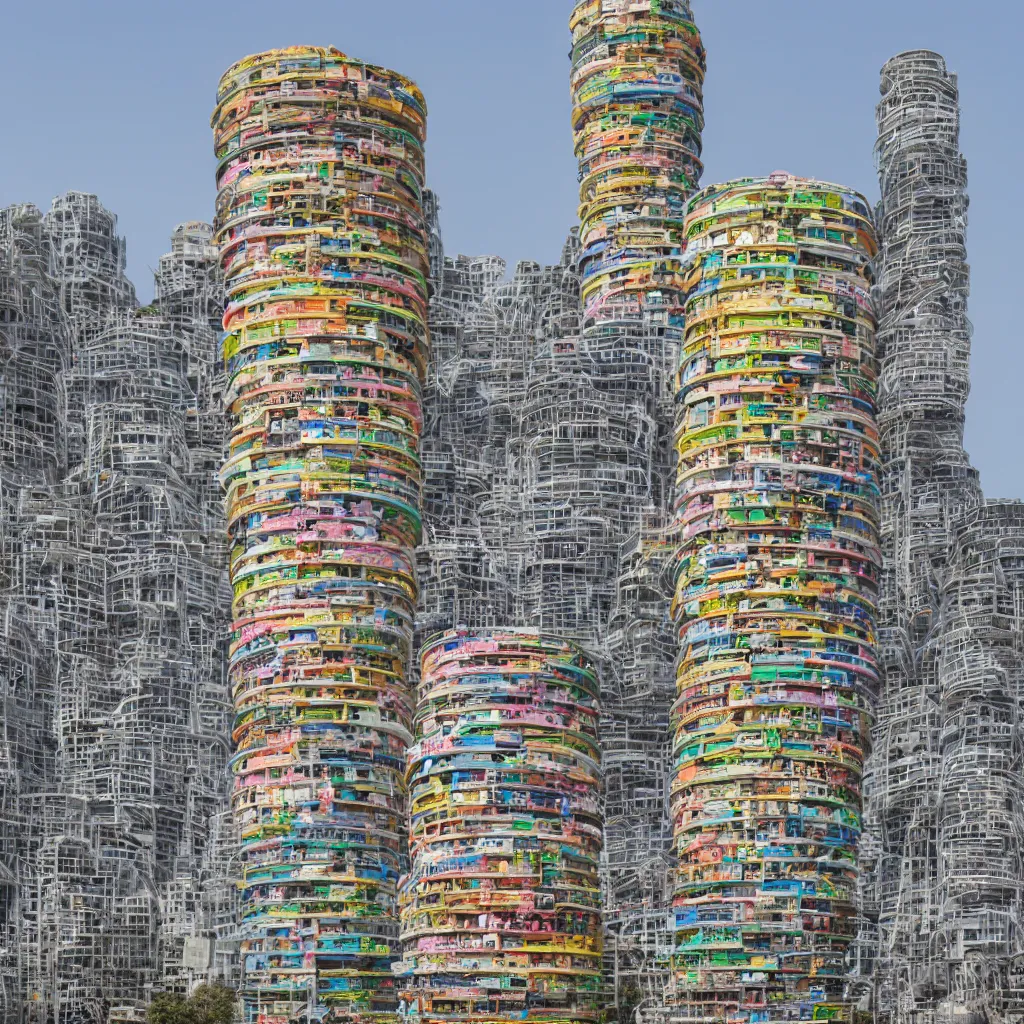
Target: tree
[
  {"x": 168, "y": 1008},
  {"x": 212, "y": 1004},
  {"x": 209, "y": 1004}
]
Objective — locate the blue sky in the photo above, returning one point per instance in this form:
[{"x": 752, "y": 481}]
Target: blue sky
[{"x": 114, "y": 97}]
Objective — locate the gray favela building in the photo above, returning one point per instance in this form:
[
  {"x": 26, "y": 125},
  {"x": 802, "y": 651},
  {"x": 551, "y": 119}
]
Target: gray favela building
[
  {"x": 945, "y": 804},
  {"x": 111, "y": 618}
]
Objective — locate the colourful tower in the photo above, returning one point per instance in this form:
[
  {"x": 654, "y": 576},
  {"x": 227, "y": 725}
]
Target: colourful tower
[
  {"x": 777, "y": 504},
  {"x": 637, "y": 83},
  {"x": 501, "y": 912},
  {"x": 603, "y": 423},
  {"x": 324, "y": 248}
]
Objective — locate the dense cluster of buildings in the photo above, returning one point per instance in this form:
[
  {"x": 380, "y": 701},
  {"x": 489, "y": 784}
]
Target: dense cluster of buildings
[
  {"x": 392, "y": 637},
  {"x": 116, "y": 723}
]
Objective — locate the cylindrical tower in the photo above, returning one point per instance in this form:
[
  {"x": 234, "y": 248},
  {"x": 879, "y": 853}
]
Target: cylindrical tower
[
  {"x": 325, "y": 254},
  {"x": 601, "y": 414},
  {"x": 927, "y": 484},
  {"x": 637, "y": 81},
  {"x": 776, "y": 593},
  {"x": 501, "y": 910}
]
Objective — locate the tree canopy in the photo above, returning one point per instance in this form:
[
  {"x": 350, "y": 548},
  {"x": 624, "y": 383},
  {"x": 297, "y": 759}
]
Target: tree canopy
[{"x": 209, "y": 1004}]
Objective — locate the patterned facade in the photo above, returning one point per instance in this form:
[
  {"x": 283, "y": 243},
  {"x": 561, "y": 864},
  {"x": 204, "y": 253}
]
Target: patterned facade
[
  {"x": 777, "y": 591},
  {"x": 502, "y": 906},
  {"x": 324, "y": 246}
]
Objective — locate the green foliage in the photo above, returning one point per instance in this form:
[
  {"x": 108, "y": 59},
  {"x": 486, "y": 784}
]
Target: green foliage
[
  {"x": 168, "y": 1009},
  {"x": 212, "y": 1004},
  {"x": 209, "y": 1004}
]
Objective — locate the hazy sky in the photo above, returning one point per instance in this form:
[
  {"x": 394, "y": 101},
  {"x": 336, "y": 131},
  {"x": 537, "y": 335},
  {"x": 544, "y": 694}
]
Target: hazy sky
[{"x": 114, "y": 97}]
